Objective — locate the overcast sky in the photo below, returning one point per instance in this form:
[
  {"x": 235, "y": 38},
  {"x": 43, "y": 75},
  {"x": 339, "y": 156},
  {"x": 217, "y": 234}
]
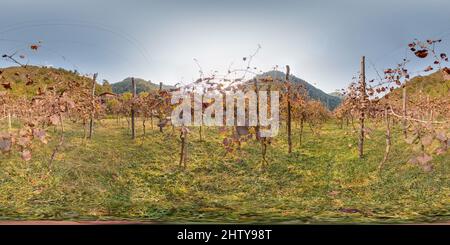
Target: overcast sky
[{"x": 322, "y": 41}]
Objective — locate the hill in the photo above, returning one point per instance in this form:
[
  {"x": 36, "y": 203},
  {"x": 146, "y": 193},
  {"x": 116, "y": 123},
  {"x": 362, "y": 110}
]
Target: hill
[
  {"x": 435, "y": 85},
  {"x": 141, "y": 86},
  {"x": 25, "y": 81},
  {"x": 330, "y": 101}
]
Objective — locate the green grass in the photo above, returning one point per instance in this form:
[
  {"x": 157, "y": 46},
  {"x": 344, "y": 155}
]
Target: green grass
[
  {"x": 433, "y": 85},
  {"x": 41, "y": 77},
  {"x": 113, "y": 177}
]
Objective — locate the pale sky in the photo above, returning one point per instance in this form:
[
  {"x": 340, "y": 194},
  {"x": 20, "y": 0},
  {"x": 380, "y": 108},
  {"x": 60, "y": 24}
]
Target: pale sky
[{"x": 322, "y": 41}]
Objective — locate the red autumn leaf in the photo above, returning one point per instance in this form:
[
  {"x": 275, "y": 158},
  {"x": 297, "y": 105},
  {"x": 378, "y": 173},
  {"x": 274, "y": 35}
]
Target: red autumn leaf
[
  {"x": 34, "y": 47},
  {"x": 6, "y": 85},
  {"x": 446, "y": 70},
  {"x": 429, "y": 68},
  {"x": 423, "y": 53}
]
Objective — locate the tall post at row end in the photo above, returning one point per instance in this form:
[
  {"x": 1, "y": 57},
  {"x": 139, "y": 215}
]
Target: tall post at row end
[
  {"x": 289, "y": 109},
  {"x": 363, "y": 104},
  {"x": 160, "y": 124},
  {"x": 91, "y": 121},
  {"x": 133, "y": 129},
  {"x": 404, "y": 122}
]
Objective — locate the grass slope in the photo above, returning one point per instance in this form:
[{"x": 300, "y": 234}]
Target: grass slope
[
  {"x": 113, "y": 177},
  {"x": 433, "y": 85},
  {"x": 40, "y": 77}
]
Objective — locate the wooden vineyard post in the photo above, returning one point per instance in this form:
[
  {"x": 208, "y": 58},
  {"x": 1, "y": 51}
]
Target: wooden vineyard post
[
  {"x": 302, "y": 121},
  {"x": 388, "y": 139},
  {"x": 404, "y": 122},
  {"x": 289, "y": 119},
  {"x": 91, "y": 121},
  {"x": 160, "y": 119},
  {"x": 183, "y": 153},
  {"x": 363, "y": 102},
  {"x": 258, "y": 124},
  {"x": 133, "y": 128},
  {"x": 255, "y": 82},
  {"x": 200, "y": 127}
]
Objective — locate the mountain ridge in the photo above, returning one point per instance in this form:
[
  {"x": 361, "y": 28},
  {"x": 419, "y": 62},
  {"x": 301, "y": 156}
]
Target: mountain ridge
[
  {"x": 142, "y": 85},
  {"x": 330, "y": 101}
]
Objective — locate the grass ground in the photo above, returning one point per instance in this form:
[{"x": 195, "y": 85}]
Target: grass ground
[{"x": 113, "y": 177}]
